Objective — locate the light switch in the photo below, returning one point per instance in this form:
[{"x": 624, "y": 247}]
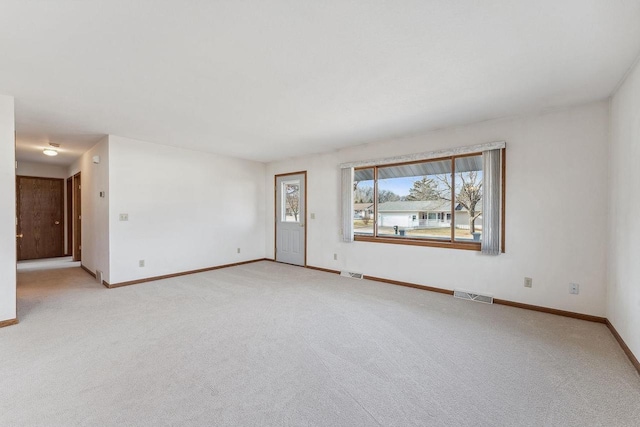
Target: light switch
[
  {"x": 313, "y": 216},
  {"x": 124, "y": 217}
]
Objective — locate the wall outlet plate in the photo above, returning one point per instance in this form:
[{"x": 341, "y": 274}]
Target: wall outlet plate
[
  {"x": 141, "y": 263},
  {"x": 124, "y": 217},
  {"x": 574, "y": 288},
  {"x": 528, "y": 282}
]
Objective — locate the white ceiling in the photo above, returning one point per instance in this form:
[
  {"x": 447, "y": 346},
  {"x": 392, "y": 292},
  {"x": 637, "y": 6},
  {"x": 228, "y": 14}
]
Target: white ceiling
[{"x": 266, "y": 80}]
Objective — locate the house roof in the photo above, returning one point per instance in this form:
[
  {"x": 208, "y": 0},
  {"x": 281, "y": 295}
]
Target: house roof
[
  {"x": 426, "y": 168},
  {"x": 416, "y": 206},
  {"x": 362, "y": 206}
]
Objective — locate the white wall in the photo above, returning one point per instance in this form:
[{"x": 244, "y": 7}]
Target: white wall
[
  {"x": 555, "y": 215},
  {"x": 42, "y": 170},
  {"x": 95, "y": 210},
  {"x": 187, "y": 209},
  {"x": 7, "y": 210},
  {"x": 623, "y": 303}
]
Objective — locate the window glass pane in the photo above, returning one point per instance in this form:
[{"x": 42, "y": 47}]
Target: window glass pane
[
  {"x": 414, "y": 199},
  {"x": 468, "y": 202},
  {"x": 291, "y": 201},
  {"x": 363, "y": 201}
]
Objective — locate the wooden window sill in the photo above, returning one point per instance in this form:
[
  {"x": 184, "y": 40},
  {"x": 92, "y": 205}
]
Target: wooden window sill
[{"x": 469, "y": 246}]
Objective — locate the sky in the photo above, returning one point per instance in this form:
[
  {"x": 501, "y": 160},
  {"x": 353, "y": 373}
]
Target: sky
[{"x": 400, "y": 186}]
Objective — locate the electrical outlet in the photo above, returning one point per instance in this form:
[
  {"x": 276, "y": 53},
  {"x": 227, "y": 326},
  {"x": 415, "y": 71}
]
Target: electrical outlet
[
  {"x": 335, "y": 257},
  {"x": 574, "y": 288},
  {"x": 313, "y": 216},
  {"x": 528, "y": 282},
  {"x": 238, "y": 250},
  {"x": 141, "y": 263},
  {"x": 124, "y": 217}
]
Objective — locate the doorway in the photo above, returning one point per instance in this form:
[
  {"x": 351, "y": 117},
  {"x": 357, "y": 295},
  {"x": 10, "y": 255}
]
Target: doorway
[
  {"x": 40, "y": 219},
  {"x": 290, "y": 218}
]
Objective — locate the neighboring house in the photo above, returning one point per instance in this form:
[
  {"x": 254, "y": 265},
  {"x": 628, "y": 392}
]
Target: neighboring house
[
  {"x": 362, "y": 210},
  {"x": 422, "y": 214}
]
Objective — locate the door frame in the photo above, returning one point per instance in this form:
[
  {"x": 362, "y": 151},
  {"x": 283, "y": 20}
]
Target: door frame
[
  {"x": 69, "y": 216},
  {"x": 76, "y": 223},
  {"x": 275, "y": 212}
]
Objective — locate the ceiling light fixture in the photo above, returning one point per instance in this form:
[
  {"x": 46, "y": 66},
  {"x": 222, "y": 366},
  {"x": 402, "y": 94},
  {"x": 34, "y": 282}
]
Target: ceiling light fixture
[{"x": 51, "y": 151}]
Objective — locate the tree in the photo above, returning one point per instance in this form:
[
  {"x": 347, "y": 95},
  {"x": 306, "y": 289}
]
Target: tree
[
  {"x": 365, "y": 195},
  {"x": 293, "y": 199},
  {"x": 424, "y": 189},
  {"x": 469, "y": 196},
  {"x": 387, "y": 196},
  {"x": 362, "y": 194}
]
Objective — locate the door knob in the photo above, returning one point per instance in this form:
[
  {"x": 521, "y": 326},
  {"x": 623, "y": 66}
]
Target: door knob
[
  {"x": 20, "y": 236},
  {"x": 57, "y": 223}
]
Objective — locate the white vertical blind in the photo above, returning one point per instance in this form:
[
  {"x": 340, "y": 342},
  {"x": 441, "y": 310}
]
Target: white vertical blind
[
  {"x": 492, "y": 183},
  {"x": 347, "y": 204}
]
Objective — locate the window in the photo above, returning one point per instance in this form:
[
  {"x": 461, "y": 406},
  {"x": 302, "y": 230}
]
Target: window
[
  {"x": 363, "y": 202},
  {"x": 291, "y": 201},
  {"x": 434, "y": 202}
]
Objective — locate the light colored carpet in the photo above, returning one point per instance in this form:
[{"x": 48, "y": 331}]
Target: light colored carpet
[
  {"x": 271, "y": 344},
  {"x": 47, "y": 263}
]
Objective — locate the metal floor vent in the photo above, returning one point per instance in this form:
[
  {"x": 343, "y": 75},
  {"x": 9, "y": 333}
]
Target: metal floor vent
[
  {"x": 487, "y": 299},
  {"x": 351, "y": 274}
]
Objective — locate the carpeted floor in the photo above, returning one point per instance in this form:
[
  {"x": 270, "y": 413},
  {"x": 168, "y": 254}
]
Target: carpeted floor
[
  {"x": 271, "y": 344},
  {"x": 47, "y": 263}
]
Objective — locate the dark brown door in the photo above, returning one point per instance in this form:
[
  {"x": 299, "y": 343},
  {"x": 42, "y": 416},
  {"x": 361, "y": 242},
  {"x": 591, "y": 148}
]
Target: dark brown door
[
  {"x": 40, "y": 217},
  {"x": 77, "y": 218}
]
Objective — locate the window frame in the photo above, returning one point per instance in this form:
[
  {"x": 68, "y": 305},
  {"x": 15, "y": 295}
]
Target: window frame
[
  {"x": 452, "y": 243},
  {"x": 284, "y": 206}
]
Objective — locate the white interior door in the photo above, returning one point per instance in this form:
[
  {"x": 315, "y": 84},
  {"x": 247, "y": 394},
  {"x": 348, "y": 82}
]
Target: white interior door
[{"x": 291, "y": 219}]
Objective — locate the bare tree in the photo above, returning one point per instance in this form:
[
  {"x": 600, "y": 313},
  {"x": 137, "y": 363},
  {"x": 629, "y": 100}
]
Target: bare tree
[
  {"x": 469, "y": 196},
  {"x": 387, "y": 196},
  {"x": 363, "y": 194},
  {"x": 293, "y": 200}
]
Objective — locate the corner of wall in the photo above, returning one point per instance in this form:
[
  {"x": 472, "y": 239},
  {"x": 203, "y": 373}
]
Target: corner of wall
[
  {"x": 95, "y": 209},
  {"x": 623, "y": 292},
  {"x": 8, "y": 310}
]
